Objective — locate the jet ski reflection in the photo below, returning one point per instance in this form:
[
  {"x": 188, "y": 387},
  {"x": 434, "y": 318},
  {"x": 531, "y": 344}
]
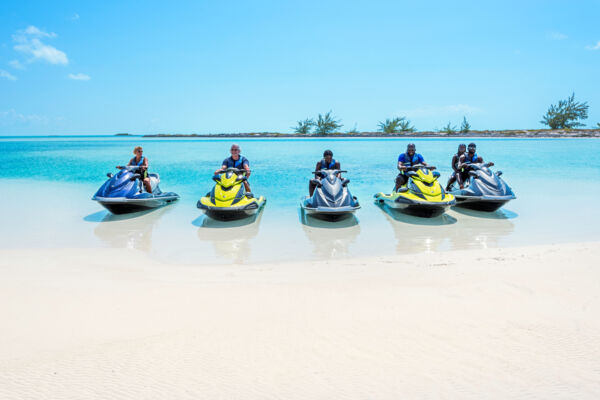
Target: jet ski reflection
[
  {"x": 230, "y": 239},
  {"x": 447, "y": 232},
  {"x": 330, "y": 238},
  {"x": 131, "y": 231}
]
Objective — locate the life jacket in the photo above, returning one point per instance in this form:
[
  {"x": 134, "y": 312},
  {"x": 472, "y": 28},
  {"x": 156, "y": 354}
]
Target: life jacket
[
  {"x": 455, "y": 165},
  {"x": 412, "y": 161},
  {"x": 330, "y": 166},
  {"x": 471, "y": 160},
  {"x": 239, "y": 163},
  {"x": 138, "y": 164}
]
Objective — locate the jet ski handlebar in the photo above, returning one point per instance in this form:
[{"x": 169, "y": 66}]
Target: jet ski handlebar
[
  {"x": 419, "y": 166},
  {"x": 236, "y": 170},
  {"x": 330, "y": 171}
]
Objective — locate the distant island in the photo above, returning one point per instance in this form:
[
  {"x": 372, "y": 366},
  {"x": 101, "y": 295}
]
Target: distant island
[{"x": 516, "y": 133}]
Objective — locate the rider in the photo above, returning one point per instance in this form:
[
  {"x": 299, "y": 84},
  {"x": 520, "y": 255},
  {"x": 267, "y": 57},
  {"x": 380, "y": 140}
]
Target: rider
[
  {"x": 140, "y": 161},
  {"x": 236, "y": 161},
  {"x": 455, "y": 159},
  {"x": 407, "y": 160},
  {"x": 327, "y": 162},
  {"x": 470, "y": 157}
]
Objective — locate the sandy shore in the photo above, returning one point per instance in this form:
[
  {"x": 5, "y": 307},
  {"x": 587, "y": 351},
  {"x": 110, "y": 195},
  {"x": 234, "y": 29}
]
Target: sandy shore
[{"x": 500, "y": 323}]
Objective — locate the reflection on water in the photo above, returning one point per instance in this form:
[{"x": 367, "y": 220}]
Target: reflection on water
[
  {"x": 230, "y": 239},
  {"x": 132, "y": 231},
  {"x": 446, "y": 232},
  {"x": 502, "y": 213},
  {"x": 330, "y": 238}
]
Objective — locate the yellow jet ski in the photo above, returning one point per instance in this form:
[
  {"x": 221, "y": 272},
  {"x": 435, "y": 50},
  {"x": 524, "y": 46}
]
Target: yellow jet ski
[
  {"x": 228, "y": 199},
  {"x": 422, "y": 196}
]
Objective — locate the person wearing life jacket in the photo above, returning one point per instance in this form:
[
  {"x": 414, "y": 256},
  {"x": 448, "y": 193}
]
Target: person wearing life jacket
[
  {"x": 327, "y": 162},
  {"x": 237, "y": 160},
  {"x": 406, "y": 160},
  {"x": 140, "y": 161},
  {"x": 462, "y": 148},
  {"x": 470, "y": 157}
]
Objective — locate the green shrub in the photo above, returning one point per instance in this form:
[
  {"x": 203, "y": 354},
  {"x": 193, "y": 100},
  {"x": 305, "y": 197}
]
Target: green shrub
[
  {"x": 465, "y": 126},
  {"x": 566, "y": 114},
  {"x": 395, "y": 125},
  {"x": 304, "y": 127},
  {"x": 327, "y": 124},
  {"x": 449, "y": 129}
]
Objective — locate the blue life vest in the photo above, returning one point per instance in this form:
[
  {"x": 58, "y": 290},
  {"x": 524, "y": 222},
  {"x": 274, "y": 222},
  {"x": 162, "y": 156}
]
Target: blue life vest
[
  {"x": 330, "y": 166},
  {"x": 138, "y": 164},
  {"x": 471, "y": 160},
  {"x": 416, "y": 159},
  {"x": 239, "y": 163}
]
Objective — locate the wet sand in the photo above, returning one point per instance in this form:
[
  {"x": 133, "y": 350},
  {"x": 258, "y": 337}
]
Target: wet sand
[{"x": 489, "y": 323}]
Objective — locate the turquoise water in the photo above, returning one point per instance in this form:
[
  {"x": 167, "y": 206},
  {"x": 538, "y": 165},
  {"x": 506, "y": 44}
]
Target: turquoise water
[{"x": 47, "y": 184}]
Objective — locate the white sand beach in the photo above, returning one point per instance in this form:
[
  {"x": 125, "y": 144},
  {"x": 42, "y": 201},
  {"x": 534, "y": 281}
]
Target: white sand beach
[{"x": 498, "y": 323}]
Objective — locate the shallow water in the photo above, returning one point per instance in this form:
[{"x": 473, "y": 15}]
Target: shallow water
[{"x": 47, "y": 184}]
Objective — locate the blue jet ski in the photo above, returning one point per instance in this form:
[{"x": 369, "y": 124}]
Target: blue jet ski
[
  {"x": 331, "y": 198},
  {"x": 485, "y": 191},
  {"x": 124, "y": 192}
]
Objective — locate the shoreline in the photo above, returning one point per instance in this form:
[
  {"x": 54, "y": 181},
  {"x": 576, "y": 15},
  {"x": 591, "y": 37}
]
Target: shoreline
[
  {"x": 517, "y": 133},
  {"x": 495, "y": 323},
  {"x": 485, "y": 134}
]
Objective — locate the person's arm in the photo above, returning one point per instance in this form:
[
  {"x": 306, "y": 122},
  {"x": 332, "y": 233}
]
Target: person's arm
[
  {"x": 145, "y": 164},
  {"x": 455, "y": 163},
  {"x": 338, "y": 166},
  {"x": 461, "y": 162},
  {"x": 422, "y": 160},
  {"x": 246, "y": 166},
  {"x": 223, "y": 167},
  {"x": 401, "y": 166}
]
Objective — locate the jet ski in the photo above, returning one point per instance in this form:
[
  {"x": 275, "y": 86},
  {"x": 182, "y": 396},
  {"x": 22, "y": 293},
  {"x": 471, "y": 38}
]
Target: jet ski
[
  {"x": 228, "y": 199},
  {"x": 422, "y": 196},
  {"x": 486, "y": 191},
  {"x": 331, "y": 198},
  {"x": 124, "y": 192}
]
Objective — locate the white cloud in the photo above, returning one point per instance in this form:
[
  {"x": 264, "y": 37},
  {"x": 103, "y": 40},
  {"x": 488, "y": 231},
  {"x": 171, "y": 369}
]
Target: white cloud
[
  {"x": 13, "y": 116},
  {"x": 79, "y": 77},
  {"x": 595, "y": 47},
  {"x": 36, "y": 32},
  {"x": 29, "y": 43},
  {"x": 74, "y": 17},
  {"x": 429, "y": 111},
  {"x": 16, "y": 64},
  {"x": 557, "y": 36},
  {"x": 7, "y": 75}
]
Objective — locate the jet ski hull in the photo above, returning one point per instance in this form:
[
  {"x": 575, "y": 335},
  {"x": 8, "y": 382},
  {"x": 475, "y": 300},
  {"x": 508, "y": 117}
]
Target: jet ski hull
[
  {"x": 122, "y": 205},
  {"x": 489, "y": 204},
  {"x": 230, "y": 213},
  {"x": 330, "y": 212},
  {"x": 424, "y": 209}
]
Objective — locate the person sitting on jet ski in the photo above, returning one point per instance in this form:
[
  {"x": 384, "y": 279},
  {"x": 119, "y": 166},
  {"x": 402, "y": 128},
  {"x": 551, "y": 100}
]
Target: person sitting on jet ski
[
  {"x": 327, "y": 162},
  {"x": 406, "y": 160},
  {"x": 140, "y": 161},
  {"x": 470, "y": 157},
  {"x": 236, "y": 161},
  {"x": 462, "y": 148}
]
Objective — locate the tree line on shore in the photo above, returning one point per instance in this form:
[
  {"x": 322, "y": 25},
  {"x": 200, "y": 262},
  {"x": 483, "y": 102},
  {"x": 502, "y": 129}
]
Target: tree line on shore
[{"x": 566, "y": 114}]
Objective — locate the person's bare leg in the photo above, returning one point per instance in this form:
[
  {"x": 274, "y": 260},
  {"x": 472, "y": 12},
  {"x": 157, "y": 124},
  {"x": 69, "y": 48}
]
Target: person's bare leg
[
  {"x": 450, "y": 182},
  {"x": 247, "y": 186},
  {"x": 147, "y": 185}
]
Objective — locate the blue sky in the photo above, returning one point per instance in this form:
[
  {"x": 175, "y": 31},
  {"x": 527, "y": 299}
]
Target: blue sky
[{"x": 209, "y": 67}]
